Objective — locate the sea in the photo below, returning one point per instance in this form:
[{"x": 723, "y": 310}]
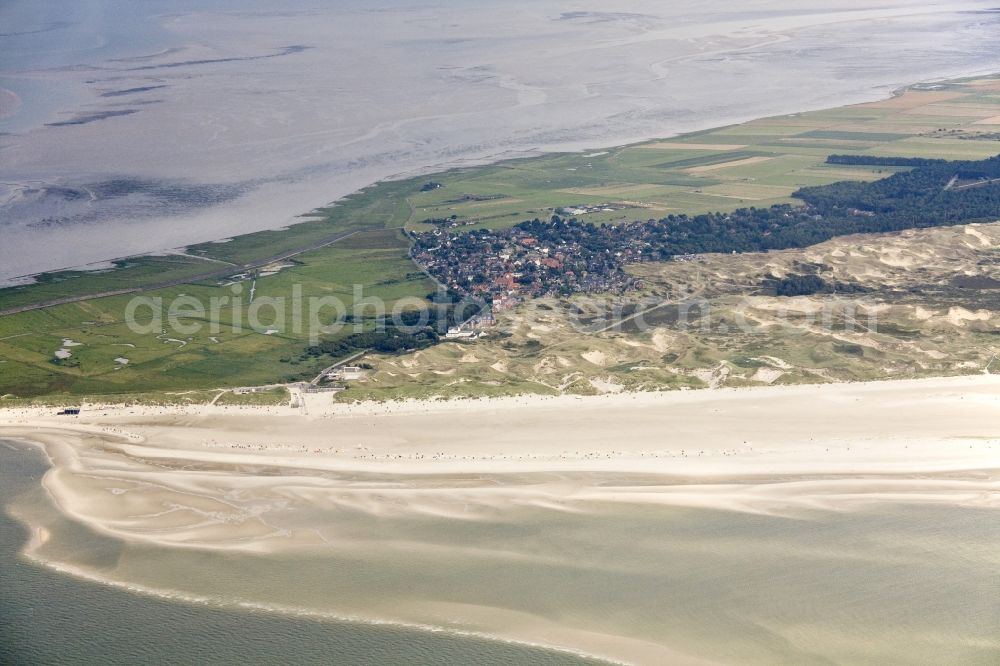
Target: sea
[
  {"x": 884, "y": 583},
  {"x": 49, "y": 617}
]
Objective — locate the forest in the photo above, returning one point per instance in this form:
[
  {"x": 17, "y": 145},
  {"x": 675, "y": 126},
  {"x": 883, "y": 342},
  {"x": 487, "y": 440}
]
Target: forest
[
  {"x": 939, "y": 193},
  {"x": 878, "y": 160}
]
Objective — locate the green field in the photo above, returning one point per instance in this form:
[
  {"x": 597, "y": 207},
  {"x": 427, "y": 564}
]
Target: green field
[
  {"x": 756, "y": 164},
  {"x": 207, "y": 358}
]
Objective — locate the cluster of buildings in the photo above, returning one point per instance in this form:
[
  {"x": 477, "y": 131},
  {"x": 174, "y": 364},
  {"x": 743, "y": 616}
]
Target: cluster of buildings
[
  {"x": 506, "y": 266},
  {"x": 473, "y": 327}
]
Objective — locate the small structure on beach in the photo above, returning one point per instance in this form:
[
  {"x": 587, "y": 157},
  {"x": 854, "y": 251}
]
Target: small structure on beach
[
  {"x": 456, "y": 332},
  {"x": 69, "y": 411},
  {"x": 346, "y": 373},
  {"x": 325, "y": 389}
]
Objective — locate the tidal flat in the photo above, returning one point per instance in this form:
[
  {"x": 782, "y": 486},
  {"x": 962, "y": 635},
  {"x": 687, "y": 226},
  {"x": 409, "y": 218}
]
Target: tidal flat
[{"x": 238, "y": 117}]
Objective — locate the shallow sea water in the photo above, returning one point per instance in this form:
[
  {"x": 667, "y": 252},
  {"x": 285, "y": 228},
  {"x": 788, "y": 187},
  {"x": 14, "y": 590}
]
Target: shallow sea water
[
  {"x": 884, "y": 584},
  {"x": 52, "y": 618}
]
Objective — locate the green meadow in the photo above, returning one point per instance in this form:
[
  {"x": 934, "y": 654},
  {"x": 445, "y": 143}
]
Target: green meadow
[{"x": 204, "y": 356}]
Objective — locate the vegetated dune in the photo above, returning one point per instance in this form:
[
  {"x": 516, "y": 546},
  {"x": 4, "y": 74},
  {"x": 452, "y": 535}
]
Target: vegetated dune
[{"x": 909, "y": 304}]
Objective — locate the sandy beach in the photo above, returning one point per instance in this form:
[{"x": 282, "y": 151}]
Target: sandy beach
[
  {"x": 274, "y": 481},
  {"x": 760, "y": 450}
]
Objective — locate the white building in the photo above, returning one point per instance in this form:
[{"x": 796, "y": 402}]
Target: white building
[{"x": 455, "y": 332}]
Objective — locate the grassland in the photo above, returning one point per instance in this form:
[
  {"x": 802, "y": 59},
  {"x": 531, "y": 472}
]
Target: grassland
[
  {"x": 755, "y": 164},
  {"x": 207, "y": 358}
]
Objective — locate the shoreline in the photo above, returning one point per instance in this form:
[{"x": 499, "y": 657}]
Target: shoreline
[
  {"x": 793, "y": 453},
  {"x": 36, "y": 536},
  {"x": 179, "y": 597},
  {"x": 284, "y": 434}
]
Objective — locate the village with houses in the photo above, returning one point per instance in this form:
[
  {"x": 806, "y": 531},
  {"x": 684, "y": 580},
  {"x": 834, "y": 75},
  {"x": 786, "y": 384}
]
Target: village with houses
[{"x": 530, "y": 260}]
